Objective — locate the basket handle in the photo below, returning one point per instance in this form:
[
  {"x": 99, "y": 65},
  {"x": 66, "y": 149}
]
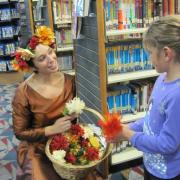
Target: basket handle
[{"x": 94, "y": 112}]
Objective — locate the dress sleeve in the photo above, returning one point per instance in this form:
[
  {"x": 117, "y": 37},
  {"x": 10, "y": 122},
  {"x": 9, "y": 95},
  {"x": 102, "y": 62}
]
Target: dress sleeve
[
  {"x": 22, "y": 118},
  {"x": 167, "y": 141}
]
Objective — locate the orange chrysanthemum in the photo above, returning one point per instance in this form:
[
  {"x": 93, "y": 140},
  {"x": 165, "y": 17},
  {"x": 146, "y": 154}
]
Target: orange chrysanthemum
[
  {"x": 45, "y": 35},
  {"x": 111, "y": 127}
]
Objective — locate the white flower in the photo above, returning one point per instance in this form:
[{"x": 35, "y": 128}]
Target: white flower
[
  {"x": 103, "y": 141},
  {"x": 88, "y": 132},
  {"x": 97, "y": 130},
  {"x": 75, "y": 106},
  {"x": 59, "y": 155}
]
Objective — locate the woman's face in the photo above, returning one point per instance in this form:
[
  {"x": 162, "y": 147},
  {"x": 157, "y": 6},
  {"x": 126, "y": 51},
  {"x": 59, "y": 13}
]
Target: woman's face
[{"x": 45, "y": 60}]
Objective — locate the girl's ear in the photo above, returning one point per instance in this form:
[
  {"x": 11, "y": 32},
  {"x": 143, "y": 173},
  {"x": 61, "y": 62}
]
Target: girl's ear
[{"x": 168, "y": 54}]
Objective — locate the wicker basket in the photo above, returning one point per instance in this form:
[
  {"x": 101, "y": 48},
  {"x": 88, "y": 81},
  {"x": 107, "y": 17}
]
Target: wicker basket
[{"x": 76, "y": 172}]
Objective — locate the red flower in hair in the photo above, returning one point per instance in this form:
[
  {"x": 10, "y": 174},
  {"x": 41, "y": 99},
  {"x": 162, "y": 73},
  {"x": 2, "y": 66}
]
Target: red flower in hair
[
  {"x": 53, "y": 45},
  {"x": 34, "y": 41},
  {"x": 111, "y": 126},
  {"x": 70, "y": 158},
  {"x": 76, "y": 129},
  {"x": 17, "y": 56},
  {"x": 59, "y": 142},
  {"x": 92, "y": 154}
]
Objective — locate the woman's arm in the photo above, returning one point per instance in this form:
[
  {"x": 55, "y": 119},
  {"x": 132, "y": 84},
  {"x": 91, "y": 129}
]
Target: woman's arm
[{"x": 22, "y": 120}]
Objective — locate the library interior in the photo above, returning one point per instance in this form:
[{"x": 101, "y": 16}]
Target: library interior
[{"x": 87, "y": 89}]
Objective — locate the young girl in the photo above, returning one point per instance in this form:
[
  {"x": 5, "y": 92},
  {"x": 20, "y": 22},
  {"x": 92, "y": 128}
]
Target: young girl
[{"x": 158, "y": 134}]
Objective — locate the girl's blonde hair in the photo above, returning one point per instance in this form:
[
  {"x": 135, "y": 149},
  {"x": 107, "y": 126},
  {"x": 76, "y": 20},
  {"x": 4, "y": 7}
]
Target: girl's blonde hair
[{"x": 164, "y": 32}]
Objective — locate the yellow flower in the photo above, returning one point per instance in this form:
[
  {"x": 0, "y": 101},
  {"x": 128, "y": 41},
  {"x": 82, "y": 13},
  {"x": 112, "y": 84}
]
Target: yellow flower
[
  {"x": 45, "y": 35},
  {"x": 94, "y": 142},
  {"x": 26, "y": 55}
]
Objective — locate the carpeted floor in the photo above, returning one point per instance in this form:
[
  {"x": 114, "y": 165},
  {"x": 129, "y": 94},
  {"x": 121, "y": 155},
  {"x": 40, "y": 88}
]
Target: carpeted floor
[{"x": 8, "y": 142}]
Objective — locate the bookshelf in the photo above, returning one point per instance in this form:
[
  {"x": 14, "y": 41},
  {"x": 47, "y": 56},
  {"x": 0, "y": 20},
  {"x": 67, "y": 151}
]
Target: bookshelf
[
  {"x": 100, "y": 32},
  {"x": 115, "y": 78},
  {"x": 39, "y": 13},
  {"x": 9, "y": 33},
  {"x": 128, "y": 154},
  {"x": 63, "y": 27},
  {"x": 64, "y": 49},
  {"x": 125, "y": 31},
  {"x": 132, "y": 117}
]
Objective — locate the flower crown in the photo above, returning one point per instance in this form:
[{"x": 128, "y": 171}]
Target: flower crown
[{"x": 43, "y": 35}]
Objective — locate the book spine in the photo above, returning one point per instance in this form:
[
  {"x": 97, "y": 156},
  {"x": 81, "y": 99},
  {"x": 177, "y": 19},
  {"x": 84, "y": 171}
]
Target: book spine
[
  {"x": 171, "y": 7},
  {"x": 165, "y": 7}
]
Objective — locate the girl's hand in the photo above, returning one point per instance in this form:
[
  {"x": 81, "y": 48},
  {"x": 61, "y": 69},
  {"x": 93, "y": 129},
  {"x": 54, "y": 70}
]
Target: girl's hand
[
  {"x": 61, "y": 125},
  {"x": 125, "y": 134}
]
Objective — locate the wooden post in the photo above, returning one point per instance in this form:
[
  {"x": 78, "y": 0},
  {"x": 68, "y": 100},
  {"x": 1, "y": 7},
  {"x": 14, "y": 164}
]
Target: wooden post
[
  {"x": 31, "y": 16},
  {"x": 50, "y": 17},
  {"x": 104, "y": 167}
]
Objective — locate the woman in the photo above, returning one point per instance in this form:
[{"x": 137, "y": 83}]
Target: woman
[{"x": 38, "y": 105}]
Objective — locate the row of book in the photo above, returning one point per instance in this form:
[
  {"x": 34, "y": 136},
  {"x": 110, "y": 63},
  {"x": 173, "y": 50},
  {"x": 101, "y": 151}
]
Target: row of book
[
  {"x": 119, "y": 147},
  {"x": 127, "y": 57},
  {"x": 5, "y": 65},
  {"x": 130, "y": 98},
  {"x": 82, "y": 7},
  {"x": 62, "y": 11},
  {"x": 39, "y": 11},
  {"x": 8, "y": 48},
  {"x": 7, "y": 14},
  {"x": 129, "y": 14},
  {"x": 64, "y": 38},
  {"x": 65, "y": 62},
  {"x": 9, "y": 31}
]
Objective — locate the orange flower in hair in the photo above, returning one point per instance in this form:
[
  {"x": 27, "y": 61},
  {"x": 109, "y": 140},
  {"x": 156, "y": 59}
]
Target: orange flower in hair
[
  {"x": 111, "y": 126},
  {"x": 45, "y": 35}
]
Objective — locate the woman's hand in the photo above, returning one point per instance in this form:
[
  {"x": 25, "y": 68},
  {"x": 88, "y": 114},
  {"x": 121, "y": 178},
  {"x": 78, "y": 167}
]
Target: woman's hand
[{"x": 61, "y": 125}]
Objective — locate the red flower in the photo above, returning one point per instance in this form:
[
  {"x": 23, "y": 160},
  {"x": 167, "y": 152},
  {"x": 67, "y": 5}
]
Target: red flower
[
  {"x": 59, "y": 142},
  {"x": 92, "y": 154},
  {"x": 76, "y": 129},
  {"x": 111, "y": 126},
  {"x": 23, "y": 64},
  {"x": 18, "y": 56},
  {"x": 70, "y": 158},
  {"x": 53, "y": 45},
  {"x": 84, "y": 143},
  {"x": 34, "y": 41}
]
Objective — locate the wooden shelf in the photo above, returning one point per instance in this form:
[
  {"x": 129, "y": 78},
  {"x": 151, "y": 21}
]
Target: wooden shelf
[
  {"x": 123, "y": 77},
  {"x": 5, "y": 55},
  {"x": 71, "y": 72},
  {"x": 125, "y": 31},
  {"x": 63, "y": 49},
  {"x": 132, "y": 117},
  {"x": 11, "y": 77},
  {"x": 63, "y": 22},
  {"x": 125, "y": 156}
]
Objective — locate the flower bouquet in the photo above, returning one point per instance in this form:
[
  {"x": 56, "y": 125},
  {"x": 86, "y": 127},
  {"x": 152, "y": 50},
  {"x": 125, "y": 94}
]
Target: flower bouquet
[{"x": 75, "y": 152}]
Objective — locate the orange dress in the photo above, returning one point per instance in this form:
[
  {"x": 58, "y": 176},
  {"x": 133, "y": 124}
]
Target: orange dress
[{"x": 31, "y": 114}]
